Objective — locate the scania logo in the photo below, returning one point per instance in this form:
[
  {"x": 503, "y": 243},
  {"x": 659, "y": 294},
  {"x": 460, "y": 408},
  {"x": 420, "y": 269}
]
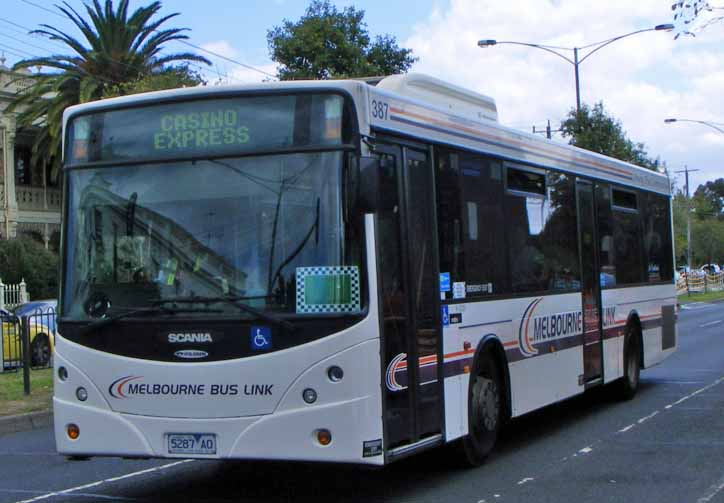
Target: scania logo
[
  {"x": 195, "y": 337},
  {"x": 191, "y": 354}
]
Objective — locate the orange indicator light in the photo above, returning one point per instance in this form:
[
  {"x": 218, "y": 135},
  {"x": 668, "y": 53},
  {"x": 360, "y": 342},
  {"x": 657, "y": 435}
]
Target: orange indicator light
[
  {"x": 73, "y": 431},
  {"x": 324, "y": 437}
]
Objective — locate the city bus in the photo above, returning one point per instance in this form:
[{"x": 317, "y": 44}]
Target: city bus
[{"x": 342, "y": 271}]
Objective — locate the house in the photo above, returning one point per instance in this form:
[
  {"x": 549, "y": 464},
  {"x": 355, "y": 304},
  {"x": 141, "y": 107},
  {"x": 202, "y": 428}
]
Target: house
[{"x": 30, "y": 201}]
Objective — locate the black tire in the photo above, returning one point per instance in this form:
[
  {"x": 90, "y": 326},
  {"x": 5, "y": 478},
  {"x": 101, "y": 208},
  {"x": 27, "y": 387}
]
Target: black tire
[
  {"x": 40, "y": 351},
  {"x": 629, "y": 384},
  {"x": 485, "y": 410}
]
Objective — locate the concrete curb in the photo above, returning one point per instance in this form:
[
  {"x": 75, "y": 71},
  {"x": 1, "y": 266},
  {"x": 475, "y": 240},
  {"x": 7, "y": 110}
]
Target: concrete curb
[{"x": 25, "y": 422}]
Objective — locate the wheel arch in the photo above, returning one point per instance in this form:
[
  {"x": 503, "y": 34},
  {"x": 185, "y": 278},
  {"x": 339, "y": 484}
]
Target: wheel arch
[{"x": 490, "y": 343}]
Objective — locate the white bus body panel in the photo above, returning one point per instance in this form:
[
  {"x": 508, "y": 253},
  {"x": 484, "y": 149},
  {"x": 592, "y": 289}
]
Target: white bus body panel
[
  {"x": 545, "y": 370},
  {"x": 647, "y": 303},
  {"x": 537, "y": 378},
  {"x": 279, "y": 426}
]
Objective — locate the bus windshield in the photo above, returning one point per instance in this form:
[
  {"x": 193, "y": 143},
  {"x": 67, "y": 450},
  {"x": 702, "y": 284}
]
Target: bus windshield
[{"x": 268, "y": 229}]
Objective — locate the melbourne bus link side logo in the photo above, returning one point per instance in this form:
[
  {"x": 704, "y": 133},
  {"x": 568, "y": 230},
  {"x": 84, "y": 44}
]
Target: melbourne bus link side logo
[
  {"x": 546, "y": 328},
  {"x": 523, "y": 338}
]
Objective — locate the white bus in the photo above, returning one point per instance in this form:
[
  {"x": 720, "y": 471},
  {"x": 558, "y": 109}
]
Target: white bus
[{"x": 249, "y": 272}]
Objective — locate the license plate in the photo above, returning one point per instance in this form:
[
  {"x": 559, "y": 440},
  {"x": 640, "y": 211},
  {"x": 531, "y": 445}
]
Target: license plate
[{"x": 192, "y": 443}]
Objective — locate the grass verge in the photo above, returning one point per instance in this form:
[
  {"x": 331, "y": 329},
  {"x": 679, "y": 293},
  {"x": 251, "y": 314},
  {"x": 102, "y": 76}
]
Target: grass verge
[
  {"x": 14, "y": 401},
  {"x": 701, "y": 297}
]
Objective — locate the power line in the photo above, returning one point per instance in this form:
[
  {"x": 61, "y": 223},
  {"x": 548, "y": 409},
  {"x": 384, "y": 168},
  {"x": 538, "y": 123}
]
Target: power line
[
  {"x": 24, "y": 42},
  {"x": 10, "y": 48},
  {"x": 43, "y": 8},
  {"x": 225, "y": 58},
  {"x": 27, "y": 34},
  {"x": 11, "y": 51}
]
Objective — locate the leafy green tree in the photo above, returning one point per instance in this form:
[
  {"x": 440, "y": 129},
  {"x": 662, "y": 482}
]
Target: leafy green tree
[
  {"x": 118, "y": 49},
  {"x": 713, "y": 193},
  {"x": 169, "y": 78},
  {"x": 330, "y": 44},
  {"x": 25, "y": 258},
  {"x": 594, "y": 129},
  {"x": 707, "y": 241},
  {"x": 679, "y": 209}
]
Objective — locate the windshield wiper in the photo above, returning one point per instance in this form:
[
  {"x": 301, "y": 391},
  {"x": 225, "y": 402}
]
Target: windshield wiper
[
  {"x": 141, "y": 311},
  {"x": 234, "y": 301}
]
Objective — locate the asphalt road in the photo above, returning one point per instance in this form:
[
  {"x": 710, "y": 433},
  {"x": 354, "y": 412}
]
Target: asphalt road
[{"x": 667, "y": 445}]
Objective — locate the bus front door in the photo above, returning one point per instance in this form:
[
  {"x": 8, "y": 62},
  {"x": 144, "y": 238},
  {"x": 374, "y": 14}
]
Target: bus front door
[
  {"x": 590, "y": 286},
  {"x": 409, "y": 302}
]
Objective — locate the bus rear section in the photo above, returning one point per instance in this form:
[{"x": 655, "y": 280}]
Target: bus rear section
[{"x": 215, "y": 288}]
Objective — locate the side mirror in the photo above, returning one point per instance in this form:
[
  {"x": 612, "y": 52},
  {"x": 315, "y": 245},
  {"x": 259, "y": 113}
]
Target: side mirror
[{"x": 377, "y": 184}]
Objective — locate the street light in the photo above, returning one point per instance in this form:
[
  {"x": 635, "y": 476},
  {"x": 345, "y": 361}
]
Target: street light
[
  {"x": 713, "y": 125},
  {"x": 576, "y": 60}
]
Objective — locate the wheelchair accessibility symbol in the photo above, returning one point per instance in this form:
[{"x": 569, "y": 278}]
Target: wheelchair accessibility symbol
[{"x": 260, "y": 338}]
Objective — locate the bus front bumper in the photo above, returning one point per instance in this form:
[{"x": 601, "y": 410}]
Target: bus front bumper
[{"x": 289, "y": 435}]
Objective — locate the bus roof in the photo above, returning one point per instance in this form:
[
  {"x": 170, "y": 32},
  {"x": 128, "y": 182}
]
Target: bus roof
[{"x": 430, "y": 110}]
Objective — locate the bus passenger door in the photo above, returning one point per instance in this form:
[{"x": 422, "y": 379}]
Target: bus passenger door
[
  {"x": 590, "y": 286},
  {"x": 409, "y": 302}
]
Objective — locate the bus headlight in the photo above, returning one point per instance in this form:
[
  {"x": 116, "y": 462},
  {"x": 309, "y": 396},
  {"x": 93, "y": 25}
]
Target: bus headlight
[
  {"x": 309, "y": 395},
  {"x": 81, "y": 394},
  {"x": 335, "y": 373}
]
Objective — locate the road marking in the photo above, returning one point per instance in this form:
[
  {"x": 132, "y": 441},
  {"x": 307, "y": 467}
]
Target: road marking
[
  {"x": 700, "y": 390},
  {"x": 525, "y": 480},
  {"x": 585, "y": 450},
  {"x": 710, "y": 324},
  {"x": 664, "y": 381},
  {"x": 104, "y": 481},
  {"x": 84, "y": 495},
  {"x": 713, "y": 491},
  {"x": 624, "y": 430},
  {"x": 646, "y": 418}
]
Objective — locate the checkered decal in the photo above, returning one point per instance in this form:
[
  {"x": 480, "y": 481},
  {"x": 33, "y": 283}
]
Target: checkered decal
[{"x": 351, "y": 271}]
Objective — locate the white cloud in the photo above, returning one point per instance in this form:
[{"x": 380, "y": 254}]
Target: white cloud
[{"x": 642, "y": 79}]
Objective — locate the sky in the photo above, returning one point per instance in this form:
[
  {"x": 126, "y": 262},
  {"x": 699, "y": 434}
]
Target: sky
[{"x": 641, "y": 80}]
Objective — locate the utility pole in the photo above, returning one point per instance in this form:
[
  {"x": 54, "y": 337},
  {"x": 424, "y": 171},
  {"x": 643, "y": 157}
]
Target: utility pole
[
  {"x": 548, "y": 131},
  {"x": 686, "y": 172}
]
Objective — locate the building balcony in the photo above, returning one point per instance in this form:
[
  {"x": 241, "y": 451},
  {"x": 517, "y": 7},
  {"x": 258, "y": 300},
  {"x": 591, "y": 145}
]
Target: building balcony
[{"x": 38, "y": 198}]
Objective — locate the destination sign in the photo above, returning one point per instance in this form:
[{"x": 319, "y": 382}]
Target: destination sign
[
  {"x": 197, "y": 130},
  {"x": 213, "y": 127}
]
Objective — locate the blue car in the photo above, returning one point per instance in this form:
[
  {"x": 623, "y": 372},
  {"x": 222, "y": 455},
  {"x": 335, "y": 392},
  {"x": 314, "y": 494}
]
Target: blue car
[{"x": 45, "y": 308}]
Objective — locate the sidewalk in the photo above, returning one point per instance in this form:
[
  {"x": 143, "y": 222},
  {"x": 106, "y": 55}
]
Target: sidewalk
[{"x": 25, "y": 422}]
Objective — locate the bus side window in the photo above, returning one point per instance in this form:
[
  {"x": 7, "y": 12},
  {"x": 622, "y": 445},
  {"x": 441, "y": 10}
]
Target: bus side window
[
  {"x": 470, "y": 222},
  {"x": 542, "y": 231},
  {"x": 606, "y": 256}
]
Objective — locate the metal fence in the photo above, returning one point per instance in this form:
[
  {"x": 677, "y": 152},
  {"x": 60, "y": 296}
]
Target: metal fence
[
  {"x": 698, "y": 282},
  {"x": 26, "y": 343},
  {"x": 13, "y": 295}
]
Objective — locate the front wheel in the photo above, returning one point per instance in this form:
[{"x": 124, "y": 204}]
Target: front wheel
[
  {"x": 40, "y": 351},
  {"x": 484, "y": 410}
]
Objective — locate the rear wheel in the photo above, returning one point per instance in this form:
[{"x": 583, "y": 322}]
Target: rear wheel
[
  {"x": 40, "y": 351},
  {"x": 629, "y": 384},
  {"x": 485, "y": 406}
]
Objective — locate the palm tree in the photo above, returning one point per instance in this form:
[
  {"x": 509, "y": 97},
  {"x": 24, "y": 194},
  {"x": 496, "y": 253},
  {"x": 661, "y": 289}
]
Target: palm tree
[{"x": 118, "y": 49}]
